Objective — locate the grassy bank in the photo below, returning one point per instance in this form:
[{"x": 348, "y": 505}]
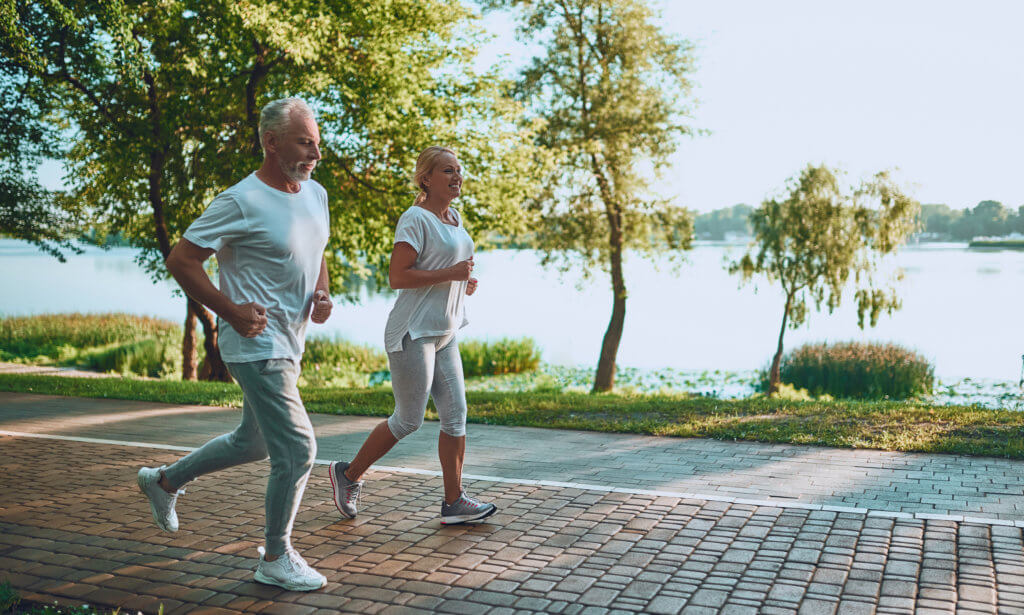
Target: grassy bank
[{"x": 901, "y": 426}]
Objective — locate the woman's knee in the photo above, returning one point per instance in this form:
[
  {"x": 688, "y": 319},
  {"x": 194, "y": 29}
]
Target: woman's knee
[
  {"x": 403, "y": 425},
  {"x": 455, "y": 429},
  {"x": 453, "y": 412}
]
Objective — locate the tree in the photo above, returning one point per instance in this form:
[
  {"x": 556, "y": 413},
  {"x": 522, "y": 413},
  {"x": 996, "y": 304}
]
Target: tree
[
  {"x": 715, "y": 224},
  {"x": 161, "y": 102},
  {"x": 26, "y": 210},
  {"x": 611, "y": 89},
  {"x": 938, "y": 218},
  {"x": 818, "y": 238}
]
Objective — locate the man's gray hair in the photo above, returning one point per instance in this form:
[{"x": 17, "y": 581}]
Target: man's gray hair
[{"x": 277, "y": 113}]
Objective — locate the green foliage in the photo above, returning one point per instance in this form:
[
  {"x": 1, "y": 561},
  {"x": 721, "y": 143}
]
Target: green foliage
[
  {"x": 504, "y": 356},
  {"x": 819, "y": 238},
  {"x": 986, "y": 219},
  {"x": 336, "y": 362},
  {"x": 153, "y": 109},
  {"x": 28, "y": 136},
  {"x": 716, "y": 224},
  {"x": 856, "y": 370},
  {"x": 611, "y": 87},
  {"x": 64, "y": 336},
  {"x": 165, "y": 97},
  {"x": 9, "y": 598}
]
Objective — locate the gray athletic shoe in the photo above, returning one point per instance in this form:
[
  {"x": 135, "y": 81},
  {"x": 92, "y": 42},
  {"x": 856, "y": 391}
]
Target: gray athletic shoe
[
  {"x": 466, "y": 510},
  {"x": 289, "y": 571},
  {"x": 346, "y": 492},
  {"x": 161, "y": 503}
]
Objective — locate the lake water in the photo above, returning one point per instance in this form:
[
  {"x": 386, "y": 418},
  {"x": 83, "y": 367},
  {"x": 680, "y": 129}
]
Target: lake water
[{"x": 962, "y": 308}]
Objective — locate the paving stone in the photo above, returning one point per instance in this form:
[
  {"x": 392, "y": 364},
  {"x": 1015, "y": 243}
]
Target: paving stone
[{"x": 551, "y": 549}]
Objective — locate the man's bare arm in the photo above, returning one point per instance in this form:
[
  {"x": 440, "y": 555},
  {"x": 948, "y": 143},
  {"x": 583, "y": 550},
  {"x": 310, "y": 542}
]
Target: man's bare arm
[
  {"x": 185, "y": 262},
  {"x": 322, "y": 296}
]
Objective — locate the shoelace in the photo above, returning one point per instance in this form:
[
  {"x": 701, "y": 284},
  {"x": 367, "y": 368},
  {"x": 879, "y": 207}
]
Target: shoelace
[
  {"x": 298, "y": 562},
  {"x": 351, "y": 491},
  {"x": 293, "y": 558}
]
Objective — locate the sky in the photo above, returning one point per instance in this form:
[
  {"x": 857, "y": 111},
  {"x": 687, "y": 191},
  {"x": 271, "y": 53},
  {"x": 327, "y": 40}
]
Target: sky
[{"x": 934, "y": 89}]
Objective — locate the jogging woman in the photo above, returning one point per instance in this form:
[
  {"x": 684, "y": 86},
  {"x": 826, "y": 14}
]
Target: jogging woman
[{"x": 432, "y": 269}]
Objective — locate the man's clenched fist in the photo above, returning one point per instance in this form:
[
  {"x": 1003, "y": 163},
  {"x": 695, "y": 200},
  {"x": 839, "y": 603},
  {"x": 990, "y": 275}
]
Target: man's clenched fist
[
  {"x": 249, "y": 319},
  {"x": 321, "y": 307}
]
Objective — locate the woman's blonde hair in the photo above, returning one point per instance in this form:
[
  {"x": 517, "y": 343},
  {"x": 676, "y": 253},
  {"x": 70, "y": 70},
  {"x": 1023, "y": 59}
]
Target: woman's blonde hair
[{"x": 425, "y": 164}]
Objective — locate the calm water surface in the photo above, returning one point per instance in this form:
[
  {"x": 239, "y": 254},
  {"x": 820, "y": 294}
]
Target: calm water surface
[{"x": 963, "y": 309}]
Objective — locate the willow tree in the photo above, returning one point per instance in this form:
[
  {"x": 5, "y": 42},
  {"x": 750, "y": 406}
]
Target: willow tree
[
  {"x": 819, "y": 238},
  {"x": 612, "y": 89},
  {"x": 160, "y": 102}
]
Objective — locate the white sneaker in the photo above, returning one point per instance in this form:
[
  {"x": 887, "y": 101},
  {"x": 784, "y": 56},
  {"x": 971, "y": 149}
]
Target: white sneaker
[
  {"x": 289, "y": 571},
  {"x": 160, "y": 502}
]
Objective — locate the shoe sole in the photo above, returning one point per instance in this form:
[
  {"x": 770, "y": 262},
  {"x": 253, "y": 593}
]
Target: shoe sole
[
  {"x": 152, "y": 509},
  {"x": 259, "y": 577},
  {"x": 334, "y": 491},
  {"x": 457, "y": 519}
]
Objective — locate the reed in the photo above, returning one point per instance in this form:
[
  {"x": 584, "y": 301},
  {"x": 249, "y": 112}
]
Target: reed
[
  {"x": 63, "y": 337},
  {"x": 340, "y": 363},
  {"x": 504, "y": 356},
  {"x": 854, "y": 370}
]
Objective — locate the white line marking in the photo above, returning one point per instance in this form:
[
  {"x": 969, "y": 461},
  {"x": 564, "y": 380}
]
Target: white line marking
[{"x": 586, "y": 487}]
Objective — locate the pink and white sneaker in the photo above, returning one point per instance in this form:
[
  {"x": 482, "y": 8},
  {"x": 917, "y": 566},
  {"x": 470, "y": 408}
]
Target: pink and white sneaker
[{"x": 466, "y": 510}]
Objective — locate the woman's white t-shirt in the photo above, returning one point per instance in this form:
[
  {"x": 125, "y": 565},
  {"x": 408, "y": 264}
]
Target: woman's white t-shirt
[{"x": 430, "y": 310}]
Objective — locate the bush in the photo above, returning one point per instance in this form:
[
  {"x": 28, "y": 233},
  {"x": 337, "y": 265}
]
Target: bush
[
  {"x": 336, "y": 362},
  {"x": 505, "y": 356},
  {"x": 855, "y": 370},
  {"x": 63, "y": 336}
]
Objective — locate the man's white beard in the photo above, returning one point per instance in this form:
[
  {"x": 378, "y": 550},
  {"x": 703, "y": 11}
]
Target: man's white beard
[{"x": 295, "y": 172}]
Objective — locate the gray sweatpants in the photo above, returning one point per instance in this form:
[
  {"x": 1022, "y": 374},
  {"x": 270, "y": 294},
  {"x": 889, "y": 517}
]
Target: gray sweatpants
[
  {"x": 274, "y": 422},
  {"x": 427, "y": 367}
]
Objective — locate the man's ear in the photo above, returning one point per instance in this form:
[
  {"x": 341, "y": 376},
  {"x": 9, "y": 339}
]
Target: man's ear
[{"x": 270, "y": 142}]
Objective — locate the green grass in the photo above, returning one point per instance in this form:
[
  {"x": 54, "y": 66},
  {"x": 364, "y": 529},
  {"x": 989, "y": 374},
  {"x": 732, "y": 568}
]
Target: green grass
[{"x": 901, "y": 426}]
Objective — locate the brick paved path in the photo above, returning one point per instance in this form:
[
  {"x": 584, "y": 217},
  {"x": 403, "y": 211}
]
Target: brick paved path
[{"x": 74, "y": 527}]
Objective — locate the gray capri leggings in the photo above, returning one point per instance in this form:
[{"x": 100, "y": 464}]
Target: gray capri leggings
[{"x": 425, "y": 367}]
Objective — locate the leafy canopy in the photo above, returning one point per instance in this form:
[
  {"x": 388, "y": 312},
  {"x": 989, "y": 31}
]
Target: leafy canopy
[{"x": 820, "y": 237}]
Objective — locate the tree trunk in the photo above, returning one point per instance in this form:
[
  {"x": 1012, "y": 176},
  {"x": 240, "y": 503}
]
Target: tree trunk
[
  {"x": 605, "y": 378},
  {"x": 213, "y": 366},
  {"x": 259, "y": 72},
  {"x": 189, "y": 356},
  {"x": 773, "y": 374}
]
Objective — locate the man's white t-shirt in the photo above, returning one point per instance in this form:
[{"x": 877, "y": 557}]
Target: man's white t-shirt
[
  {"x": 430, "y": 310},
  {"x": 269, "y": 246}
]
